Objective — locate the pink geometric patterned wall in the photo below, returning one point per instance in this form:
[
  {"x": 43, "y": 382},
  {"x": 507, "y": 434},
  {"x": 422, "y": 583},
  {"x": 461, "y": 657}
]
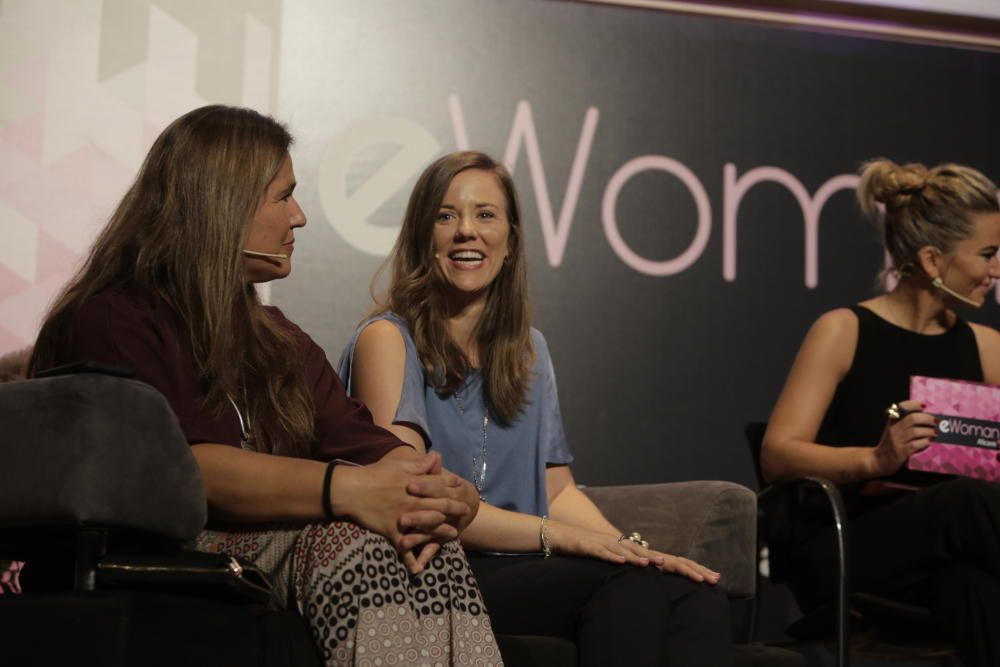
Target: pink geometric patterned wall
[{"x": 85, "y": 86}]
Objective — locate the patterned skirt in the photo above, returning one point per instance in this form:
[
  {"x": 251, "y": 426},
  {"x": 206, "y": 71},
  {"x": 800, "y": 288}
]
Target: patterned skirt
[{"x": 363, "y": 606}]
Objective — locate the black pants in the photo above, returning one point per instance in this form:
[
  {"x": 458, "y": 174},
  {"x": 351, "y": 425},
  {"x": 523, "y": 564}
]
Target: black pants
[
  {"x": 939, "y": 547},
  {"x": 616, "y": 614}
]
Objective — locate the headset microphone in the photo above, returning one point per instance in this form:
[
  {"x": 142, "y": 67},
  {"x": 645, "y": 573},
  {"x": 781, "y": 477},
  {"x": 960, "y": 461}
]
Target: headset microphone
[
  {"x": 254, "y": 253},
  {"x": 939, "y": 284}
]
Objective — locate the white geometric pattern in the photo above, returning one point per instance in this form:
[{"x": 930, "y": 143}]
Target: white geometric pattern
[{"x": 71, "y": 141}]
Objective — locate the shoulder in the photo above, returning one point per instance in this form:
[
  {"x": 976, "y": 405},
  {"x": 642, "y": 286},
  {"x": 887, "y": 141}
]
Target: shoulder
[
  {"x": 387, "y": 330},
  {"x": 988, "y": 343},
  {"x": 987, "y": 338},
  {"x": 120, "y": 300},
  {"x": 538, "y": 340},
  {"x": 118, "y": 310},
  {"x": 832, "y": 339},
  {"x": 837, "y": 324},
  {"x": 382, "y": 346},
  {"x": 381, "y": 334}
]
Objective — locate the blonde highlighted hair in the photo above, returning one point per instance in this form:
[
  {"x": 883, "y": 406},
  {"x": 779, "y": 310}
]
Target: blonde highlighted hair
[
  {"x": 417, "y": 294},
  {"x": 923, "y": 206},
  {"x": 179, "y": 232}
]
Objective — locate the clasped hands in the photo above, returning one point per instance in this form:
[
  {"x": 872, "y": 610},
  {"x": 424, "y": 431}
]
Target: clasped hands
[{"x": 412, "y": 500}]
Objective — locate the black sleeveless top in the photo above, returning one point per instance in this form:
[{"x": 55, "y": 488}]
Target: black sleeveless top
[{"x": 884, "y": 359}]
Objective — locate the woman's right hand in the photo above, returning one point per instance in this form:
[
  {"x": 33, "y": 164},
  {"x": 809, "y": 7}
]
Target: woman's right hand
[
  {"x": 902, "y": 438},
  {"x": 375, "y": 497}
]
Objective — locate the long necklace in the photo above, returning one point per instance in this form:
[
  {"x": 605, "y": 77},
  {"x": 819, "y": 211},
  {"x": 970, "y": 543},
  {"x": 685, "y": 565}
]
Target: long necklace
[
  {"x": 246, "y": 432},
  {"x": 478, "y": 465}
]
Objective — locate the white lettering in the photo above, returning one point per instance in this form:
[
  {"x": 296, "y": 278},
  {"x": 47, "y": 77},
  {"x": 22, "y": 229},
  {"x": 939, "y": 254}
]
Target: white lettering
[
  {"x": 686, "y": 176},
  {"x": 735, "y": 188},
  {"x": 349, "y": 215},
  {"x": 555, "y": 233}
]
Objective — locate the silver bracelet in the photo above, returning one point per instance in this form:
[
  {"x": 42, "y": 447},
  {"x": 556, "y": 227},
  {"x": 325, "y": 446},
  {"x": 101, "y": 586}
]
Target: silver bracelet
[{"x": 546, "y": 548}]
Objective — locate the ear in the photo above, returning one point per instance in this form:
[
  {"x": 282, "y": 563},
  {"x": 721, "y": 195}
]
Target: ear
[{"x": 930, "y": 260}]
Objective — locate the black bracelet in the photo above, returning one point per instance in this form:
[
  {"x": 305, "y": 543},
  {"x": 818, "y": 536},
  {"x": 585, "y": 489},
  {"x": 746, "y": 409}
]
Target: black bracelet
[{"x": 327, "y": 506}]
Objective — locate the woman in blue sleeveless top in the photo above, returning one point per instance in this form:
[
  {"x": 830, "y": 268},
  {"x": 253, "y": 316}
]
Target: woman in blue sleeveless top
[
  {"x": 450, "y": 362},
  {"x": 844, "y": 413}
]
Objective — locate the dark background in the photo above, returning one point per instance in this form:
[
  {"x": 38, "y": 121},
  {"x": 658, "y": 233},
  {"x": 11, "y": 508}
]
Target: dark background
[{"x": 657, "y": 375}]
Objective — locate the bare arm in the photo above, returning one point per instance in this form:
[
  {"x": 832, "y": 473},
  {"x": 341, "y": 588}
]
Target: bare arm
[
  {"x": 568, "y": 504},
  {"x": 377, "y": 375},
  {"x": 247, "y": 486},
  {"x": 988, "y": 342},
  {"x": 789, "y": 445}
]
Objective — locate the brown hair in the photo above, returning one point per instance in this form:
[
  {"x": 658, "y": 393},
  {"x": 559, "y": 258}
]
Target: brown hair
[
  {"x": 14, "y": 365},
  {"x": 179, "y": 232},
  {"x": 503, "y": 334},
  {"x": 923, "y": 206}
]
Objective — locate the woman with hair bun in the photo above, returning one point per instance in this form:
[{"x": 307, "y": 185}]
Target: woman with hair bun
[{"x": 844, "y": 415}]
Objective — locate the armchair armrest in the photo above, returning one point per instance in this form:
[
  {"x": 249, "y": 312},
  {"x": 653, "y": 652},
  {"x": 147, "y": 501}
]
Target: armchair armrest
[
  {"x": 96, "y": 450},
  {"x": 714, "y": 523}
]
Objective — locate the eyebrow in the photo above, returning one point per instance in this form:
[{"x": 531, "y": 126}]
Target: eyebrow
[{"x": 478, "y": 205}]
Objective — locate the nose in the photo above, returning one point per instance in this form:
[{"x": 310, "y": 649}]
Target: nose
[
  {"x": 466, "y": 228},
  {"x": 298, "y": 216}
]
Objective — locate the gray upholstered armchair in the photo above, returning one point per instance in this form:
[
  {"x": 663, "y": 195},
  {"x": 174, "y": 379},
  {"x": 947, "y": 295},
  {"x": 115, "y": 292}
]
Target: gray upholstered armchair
[
  {"x": 56, "y": 471},
  {"x": 714, "y": 523}
]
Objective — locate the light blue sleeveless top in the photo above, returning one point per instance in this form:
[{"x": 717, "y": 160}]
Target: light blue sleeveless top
[{"x": 516, "y": 453}]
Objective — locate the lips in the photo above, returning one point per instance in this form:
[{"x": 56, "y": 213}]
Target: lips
[{"x": 467, "y": 258}]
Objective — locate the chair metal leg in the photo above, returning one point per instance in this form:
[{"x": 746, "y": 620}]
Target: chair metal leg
[
  {"x": 839, "y": 512},
  {"x": 91, "y": 546}
]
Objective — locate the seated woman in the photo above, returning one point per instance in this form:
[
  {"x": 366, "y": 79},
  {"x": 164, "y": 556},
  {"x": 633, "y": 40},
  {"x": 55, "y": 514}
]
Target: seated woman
[
  {"x": 939, "y": 545},
  {"x": 450, "y": 363},
  {"x": 298, "y": 478}
]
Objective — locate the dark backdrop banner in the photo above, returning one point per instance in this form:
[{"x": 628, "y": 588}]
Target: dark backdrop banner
[{"x": 687, "y": 186}]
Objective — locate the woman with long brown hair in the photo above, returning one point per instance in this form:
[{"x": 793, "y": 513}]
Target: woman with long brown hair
[
  {"x": 844, "y": 413},
  {"x": 449, "y": 362},
  {"x": 297, "y": 476}
]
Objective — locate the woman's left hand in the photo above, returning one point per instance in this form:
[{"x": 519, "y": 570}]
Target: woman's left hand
[
  {"x": 677, "y": 564},
  {"x": 578, "y": 541}
]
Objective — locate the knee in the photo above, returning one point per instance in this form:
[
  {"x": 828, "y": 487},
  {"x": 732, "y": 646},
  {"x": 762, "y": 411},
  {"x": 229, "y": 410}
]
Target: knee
[
  {"x": 648, "y": 588},
  {"x": 705, "y": 601},
  {"x": 966, "y": 497}
]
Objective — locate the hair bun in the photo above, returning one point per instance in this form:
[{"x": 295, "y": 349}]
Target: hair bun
[{"x": 883, "y": 181}]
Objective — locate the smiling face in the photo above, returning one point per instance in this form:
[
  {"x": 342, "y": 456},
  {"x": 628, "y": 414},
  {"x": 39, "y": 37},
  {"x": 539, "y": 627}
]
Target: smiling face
[
  {"x": 972, "y": 265},
  {"x": 471, "y": 232},
  {"x": 272, "y": 228}
]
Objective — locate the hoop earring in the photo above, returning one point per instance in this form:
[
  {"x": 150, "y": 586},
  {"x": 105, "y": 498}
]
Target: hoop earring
[{"x": 903, "y": 270}]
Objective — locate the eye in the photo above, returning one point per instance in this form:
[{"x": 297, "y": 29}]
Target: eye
[
  {"x": 487, "y": 214},
  {"x": 445, "y": 216}
]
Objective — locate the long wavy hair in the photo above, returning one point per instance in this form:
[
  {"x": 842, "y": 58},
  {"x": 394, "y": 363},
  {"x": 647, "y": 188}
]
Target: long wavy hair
[
  {"x": 417, "y": 293},
  {"x": 178, "y": 232}
]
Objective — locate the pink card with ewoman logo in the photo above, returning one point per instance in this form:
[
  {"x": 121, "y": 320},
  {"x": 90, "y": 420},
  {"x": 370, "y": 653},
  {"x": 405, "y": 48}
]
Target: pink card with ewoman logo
[{"x": 968, "y": 416}]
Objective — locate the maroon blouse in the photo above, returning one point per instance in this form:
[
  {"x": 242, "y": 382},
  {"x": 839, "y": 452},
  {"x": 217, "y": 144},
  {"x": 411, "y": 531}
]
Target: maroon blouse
[{"x": 139, "y": 330}]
